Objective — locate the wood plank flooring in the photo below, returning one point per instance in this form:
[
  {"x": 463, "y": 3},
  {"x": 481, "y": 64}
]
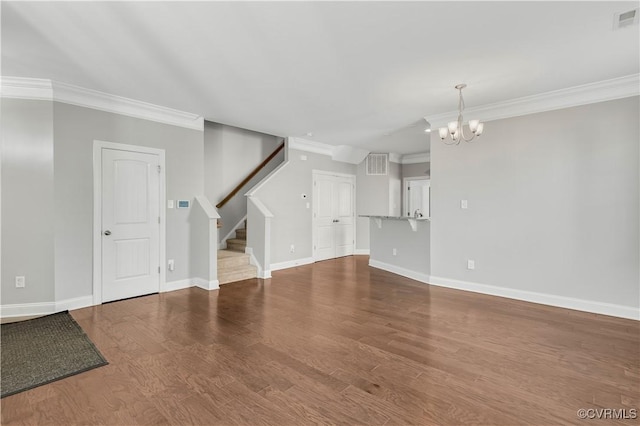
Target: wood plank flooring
[{"x": 338, "y": 342}]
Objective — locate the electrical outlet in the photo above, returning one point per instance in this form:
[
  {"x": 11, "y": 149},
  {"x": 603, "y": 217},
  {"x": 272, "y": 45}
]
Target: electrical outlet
[
  {"x": 395, "y": 252},
  {"x": 171, "y": 264},
  {"x": 464, "y": 204},
  {"x": 292, "y": 249},
  {"x": 471, "y": 264},
  {"x": 20, "y": 282}
]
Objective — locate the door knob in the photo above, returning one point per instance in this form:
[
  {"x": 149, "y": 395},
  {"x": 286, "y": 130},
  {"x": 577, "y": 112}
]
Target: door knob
[{"x": 107, "y": 232}]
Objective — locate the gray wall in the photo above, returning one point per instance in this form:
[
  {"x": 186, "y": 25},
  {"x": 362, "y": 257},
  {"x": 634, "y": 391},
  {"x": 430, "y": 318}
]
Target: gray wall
[
  {"x": 27, "y": 201},
  {"x": 412, "y": 247},
  {"x": 416, "y": 170},
  {"x": 75, "y": 129},
  {"x": 376, "y": 195},
  {"x": 291, "y": 223},
  {"x": 553, "y": 204}
]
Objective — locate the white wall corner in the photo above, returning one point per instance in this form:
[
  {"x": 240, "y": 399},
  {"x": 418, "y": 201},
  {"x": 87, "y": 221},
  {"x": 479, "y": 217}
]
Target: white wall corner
[
  {"x": 207, "y": 207},
  {"x": 607, "y": 90}
]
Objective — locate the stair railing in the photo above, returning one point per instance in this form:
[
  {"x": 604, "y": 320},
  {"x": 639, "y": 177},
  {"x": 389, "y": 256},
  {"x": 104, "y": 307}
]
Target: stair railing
[{"x": 250, "y": 176}]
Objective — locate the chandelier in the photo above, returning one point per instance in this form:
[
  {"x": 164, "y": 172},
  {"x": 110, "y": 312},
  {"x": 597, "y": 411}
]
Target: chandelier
[{"x": 455, "y": 129}]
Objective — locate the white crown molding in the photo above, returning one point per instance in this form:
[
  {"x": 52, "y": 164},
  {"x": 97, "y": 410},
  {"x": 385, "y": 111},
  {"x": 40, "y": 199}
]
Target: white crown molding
[
  {"x": 37, "y": 89},
  {"x": 311, "y": 146},
  {"x": 395, "y": 158},
  {"x": 422, "y": 157},
  {"x": 601, "y": 91},
  {"x": 42, "y": 89}
]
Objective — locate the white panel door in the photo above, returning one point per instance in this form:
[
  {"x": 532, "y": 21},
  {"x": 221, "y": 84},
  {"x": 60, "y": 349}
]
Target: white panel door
[
  {"x": 130, "y": 224},
  {"x": 344, "y": 216},
  {"x": 333, "y": 216},
  {"x": 324, "y": 244}
]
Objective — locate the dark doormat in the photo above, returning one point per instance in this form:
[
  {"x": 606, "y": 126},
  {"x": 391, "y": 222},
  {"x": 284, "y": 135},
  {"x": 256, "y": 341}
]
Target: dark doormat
[{"x": 43, "y": 350}]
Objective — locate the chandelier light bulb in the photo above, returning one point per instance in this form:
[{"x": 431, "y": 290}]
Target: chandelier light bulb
[
  {"x": 480, "y": 129},
  {"x": 473, "y": 125},
  {"x": 444, "y": 132}
]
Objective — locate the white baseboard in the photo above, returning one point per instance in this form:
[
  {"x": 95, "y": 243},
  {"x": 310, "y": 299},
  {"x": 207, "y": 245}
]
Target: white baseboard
[
  {"x": 44, "y": 308},
  {"x": 542, "y": 298},
  {"x": 75, "y": 303},
  {"x": 176, "y": 285},
  {"x": 27, "y": 309},
  {"x": 291, "y": 263},
  {"x": 418, "y": 276},
  {"x": 206, "y": 284},
  {"x": 262, "y": 273},
  {"x": 362, "y": 252}
]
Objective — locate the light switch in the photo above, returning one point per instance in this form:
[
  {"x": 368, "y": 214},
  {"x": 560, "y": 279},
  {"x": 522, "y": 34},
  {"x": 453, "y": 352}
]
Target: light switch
[
  {"x": 169, "y": 204},
  {"x": 463, "y": 204}
]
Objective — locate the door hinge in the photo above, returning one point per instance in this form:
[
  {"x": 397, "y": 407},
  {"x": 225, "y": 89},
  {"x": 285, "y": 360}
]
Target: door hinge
[
  {"x": 159, "y": 168},
  {"x": 158, "y": 269},
  {"x": 158, "y": 219},
  {"x": 314, "y": 247}
]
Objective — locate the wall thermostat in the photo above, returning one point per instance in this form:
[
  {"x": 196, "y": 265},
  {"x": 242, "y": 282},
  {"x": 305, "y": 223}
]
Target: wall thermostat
[{"x": 183, "y": 204}]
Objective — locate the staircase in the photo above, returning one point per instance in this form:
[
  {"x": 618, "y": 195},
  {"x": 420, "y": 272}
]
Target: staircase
[{"x": 233, "y": 263}]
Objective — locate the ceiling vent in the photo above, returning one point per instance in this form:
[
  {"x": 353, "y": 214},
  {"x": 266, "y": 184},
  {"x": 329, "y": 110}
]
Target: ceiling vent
[
  {"x": 626, "y": 19},
  {"x": 377, "y": 164}
]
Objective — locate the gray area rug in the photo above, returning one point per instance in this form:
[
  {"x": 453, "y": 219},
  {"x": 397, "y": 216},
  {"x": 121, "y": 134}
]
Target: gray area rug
[{"x": 43, "y": 350}]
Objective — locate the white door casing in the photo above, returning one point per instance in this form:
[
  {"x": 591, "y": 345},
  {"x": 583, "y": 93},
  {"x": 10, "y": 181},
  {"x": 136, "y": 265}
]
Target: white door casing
[
  {"x": 333, "y": 215},
  {"x": 129, "y": 221}
]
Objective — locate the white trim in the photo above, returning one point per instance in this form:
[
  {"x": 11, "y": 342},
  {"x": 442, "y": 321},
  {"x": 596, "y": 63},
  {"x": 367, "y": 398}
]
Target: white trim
[
  {"x": 74, "y": 303},
  {"x": 97, "y": 211},
  {"x": 44, "y": 89},
  {"x": 542, "y": 298},
  {"x": 224, "y": 240},
  {"x": 395, "y": 158},
  {"x": 206, "y": 284},
  {"x": 311, "y": 146},
  {"x": 176, "y": 285},
  {"x": 44, "y": 308},
  {"x": 27, "y": 309},
  {"x": 262, "y": 273},
  {"x": 617, "y": 88},
  {"x": 37, "y": 89},
  {"x": 362, "y": 252},
  {"x": 418, "y": 276},
  {"x": 291, "y": 263},
  {"x": 422, "y": 157}
]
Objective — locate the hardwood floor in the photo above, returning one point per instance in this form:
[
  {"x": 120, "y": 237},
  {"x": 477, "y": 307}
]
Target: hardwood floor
[{"x": 338, "y": 342}]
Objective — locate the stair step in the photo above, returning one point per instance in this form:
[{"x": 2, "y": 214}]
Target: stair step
[
  {"x": 228, "y": 259},
  {"x": 237, "y": 273},
  {"x": 241, "y": 234},
  {"x": 236, "y": 244}
]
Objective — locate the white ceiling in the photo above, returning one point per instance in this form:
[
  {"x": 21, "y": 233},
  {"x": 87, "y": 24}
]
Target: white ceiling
[{"x": 356, "y": 73}]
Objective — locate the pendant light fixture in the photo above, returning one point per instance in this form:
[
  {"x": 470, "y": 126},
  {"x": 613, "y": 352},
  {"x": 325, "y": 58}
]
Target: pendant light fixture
[{"x": 455, "y": 129}]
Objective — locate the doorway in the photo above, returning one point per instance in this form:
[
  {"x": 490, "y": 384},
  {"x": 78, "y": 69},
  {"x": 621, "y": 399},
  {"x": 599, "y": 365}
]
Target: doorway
[
  {"x": 333, "y": 215},
  {"x": 129, "y": 230},
  {"x": 417, "y": 195}
]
